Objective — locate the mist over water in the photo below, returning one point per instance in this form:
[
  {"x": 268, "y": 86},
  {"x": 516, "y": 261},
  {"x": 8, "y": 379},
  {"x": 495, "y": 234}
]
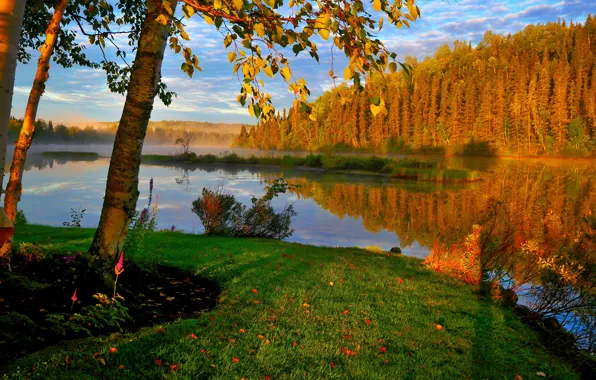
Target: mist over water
[{"x": 333, "y": 209}]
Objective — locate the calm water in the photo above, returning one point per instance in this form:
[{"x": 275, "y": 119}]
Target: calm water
[{"x": 333, "y": 210}]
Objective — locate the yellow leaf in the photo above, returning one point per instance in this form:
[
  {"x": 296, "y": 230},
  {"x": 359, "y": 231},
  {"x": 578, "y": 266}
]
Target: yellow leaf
[
  {"x": 392, "y": 67},
  {"x": 375, "y": 109},
  {"x": 268, "y": 71},
  {"x": 217, "y": 4},
  {"x": 286, "y": 73},
  {"x": 231, "y": 56},
  {"x": 208, "y": 20},
  {"x": 348, "y": 73},
  {"x": 188, "y": 10},
  {"x": 377, "y": 5},
  {"x": 381, "y": 20},
  {"x": 312, "y": 117},
  {"x": 331, "y": 283},
  {"x": 185, "y": 36},
  {"x": 162, "y": 19},
  {"x": 260, "y": 29},
  {"x": 324, "y": 33},
  {"x": 271, "y": 3},
  {"x": 238, "y": 4},
  {"x": 251, "y": 110}
]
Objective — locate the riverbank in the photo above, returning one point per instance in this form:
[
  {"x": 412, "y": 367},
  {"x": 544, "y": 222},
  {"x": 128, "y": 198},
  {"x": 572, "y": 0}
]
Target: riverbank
[
  {"x": 295, "y": 311},
  {"x": 406, "y": 168}
]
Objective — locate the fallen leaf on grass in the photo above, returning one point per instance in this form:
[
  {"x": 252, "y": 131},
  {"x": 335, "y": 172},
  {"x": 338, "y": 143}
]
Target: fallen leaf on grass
[
  {"x": 194, "y": 336},
  {"x": 332, "y": 365},
  {"x": 295, "y": 344},
  {"x": 68, "y": 360},
  {"x": 439, "y": 327},
  {"x": 121, "y": 366},
  {"x": 242, "y": 331},
  {"x": 161, "y": 330},
  {"x": 541, "y": 374},
  {"x": 345, "y": 312},
  {"x": 113, "y": 350},
  {"x": 383, "y": 349},
  {"x": 400, "y": 280},
  {"x": 235, "y": 360},
  {"x": 174, "y": 367},
  {"x": 158, "y": 362},
  {"x": 331, "y": 283},
  {"x": 367, "y": 322},
  {"x": 261, "y": 336},
  {"x": 254, "y": 290},
  {"x": 102, "y": 361},
  {"x": 518, "y": 377}
]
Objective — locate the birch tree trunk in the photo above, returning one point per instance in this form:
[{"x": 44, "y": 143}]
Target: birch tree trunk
[
  {"x": 13, "y": 189},
  {"x": 11, "y": 21},
  {"x": 122, "y": 192}
]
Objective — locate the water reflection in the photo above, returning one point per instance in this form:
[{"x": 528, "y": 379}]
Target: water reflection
[{"x": 335, "y": 210}]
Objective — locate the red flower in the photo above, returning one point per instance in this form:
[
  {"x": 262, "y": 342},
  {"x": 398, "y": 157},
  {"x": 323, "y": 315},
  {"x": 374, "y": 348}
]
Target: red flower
[
  {"x": 120, "y": 264},
  {"x": 383, "y": 349},
  {"x": 74, "y": 296},
  {"x": 367, "y": 322},
  {"x": 235, "y": 360}
]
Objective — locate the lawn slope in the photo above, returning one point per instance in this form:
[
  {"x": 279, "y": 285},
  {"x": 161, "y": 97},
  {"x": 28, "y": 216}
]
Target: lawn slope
[{"x": 295, "y": 311}]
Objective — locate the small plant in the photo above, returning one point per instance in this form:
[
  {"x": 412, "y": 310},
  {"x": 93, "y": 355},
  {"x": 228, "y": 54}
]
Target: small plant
[
  {"x": 108, "y": 313},
  {"x": 20, "y": 219},
  {"x": 76, "y": 218},
  {"x": 118, "y": 269},
  {"x": 73, "y": 299},
  {"x": 142, "y": 223}
]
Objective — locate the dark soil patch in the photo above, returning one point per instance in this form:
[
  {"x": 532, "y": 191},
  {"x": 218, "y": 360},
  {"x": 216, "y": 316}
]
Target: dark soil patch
[{"x": 36, "y": 290}]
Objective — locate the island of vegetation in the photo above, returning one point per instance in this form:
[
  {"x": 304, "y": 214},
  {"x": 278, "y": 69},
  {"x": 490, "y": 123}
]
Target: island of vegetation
[{"x": 405, "y": 168}]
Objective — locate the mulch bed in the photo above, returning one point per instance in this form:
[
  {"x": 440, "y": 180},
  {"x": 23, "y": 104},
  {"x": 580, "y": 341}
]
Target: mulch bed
[{"x": 40, "y": 288}]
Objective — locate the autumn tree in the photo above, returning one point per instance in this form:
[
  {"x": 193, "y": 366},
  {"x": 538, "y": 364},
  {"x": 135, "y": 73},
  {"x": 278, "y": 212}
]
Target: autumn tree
[
  {"x": 252, "y": 30},
  {"x": 530, "y": 93}
]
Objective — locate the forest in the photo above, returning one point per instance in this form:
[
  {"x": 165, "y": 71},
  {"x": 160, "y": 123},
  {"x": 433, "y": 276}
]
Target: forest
[
  {"x": 529, "y": 93},
  {"x": 158, "y": 132}
]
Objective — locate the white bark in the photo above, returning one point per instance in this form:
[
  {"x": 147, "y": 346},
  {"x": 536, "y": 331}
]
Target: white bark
[{"x": 11, "y": 22}]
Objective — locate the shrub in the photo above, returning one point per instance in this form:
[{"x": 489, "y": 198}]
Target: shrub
[
  {"x": 222, "y": 214},
  {"x": 219, "y": 212},
  {"x": 20, "y": 219},
  {"x": 30, "y": 252},
  {"x": 76, "y": 218}
]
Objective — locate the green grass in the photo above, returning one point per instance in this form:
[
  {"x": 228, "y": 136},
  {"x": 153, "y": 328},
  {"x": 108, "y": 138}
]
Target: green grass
[
  {"x": 480, "y": 340},
  {"x": 71, "y": 155},
  {"x": 405, "y": 168}
]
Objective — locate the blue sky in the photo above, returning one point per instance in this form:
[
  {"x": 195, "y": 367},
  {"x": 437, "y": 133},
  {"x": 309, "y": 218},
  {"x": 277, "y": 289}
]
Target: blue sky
[{"x": 77, "y": 96}]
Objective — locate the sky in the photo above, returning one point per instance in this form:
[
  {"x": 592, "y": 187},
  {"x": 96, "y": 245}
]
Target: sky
[{"x": 78, "y": 96}]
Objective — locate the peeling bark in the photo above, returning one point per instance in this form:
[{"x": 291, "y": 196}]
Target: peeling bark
[
  {"x": 122, "y": 192},
  {"x": 11, "y": 21}
]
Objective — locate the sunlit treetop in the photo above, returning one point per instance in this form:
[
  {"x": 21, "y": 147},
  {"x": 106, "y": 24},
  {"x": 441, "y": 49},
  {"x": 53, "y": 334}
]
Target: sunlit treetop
[{"x": 259, "y": 33}]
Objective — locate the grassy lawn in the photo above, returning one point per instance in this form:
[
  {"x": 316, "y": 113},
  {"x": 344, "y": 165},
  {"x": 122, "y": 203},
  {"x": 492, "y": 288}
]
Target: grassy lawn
[{"x": 295, "y": 311}]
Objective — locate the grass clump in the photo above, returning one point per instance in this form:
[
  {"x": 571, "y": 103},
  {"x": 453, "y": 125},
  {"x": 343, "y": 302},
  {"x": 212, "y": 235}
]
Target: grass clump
[{"x": 295, "y": 311}]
